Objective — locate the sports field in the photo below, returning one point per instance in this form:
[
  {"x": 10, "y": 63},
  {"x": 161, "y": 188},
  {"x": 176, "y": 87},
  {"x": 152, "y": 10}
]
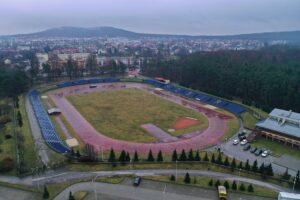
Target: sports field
[{"x": 120, "y": 113}]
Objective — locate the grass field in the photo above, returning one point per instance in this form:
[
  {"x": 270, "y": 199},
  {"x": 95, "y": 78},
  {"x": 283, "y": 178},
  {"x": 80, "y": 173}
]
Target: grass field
[
  {"x": 203, "y": 181},
  {"x": 120, "y": 113},
  {"x": 248, "y": 120},
  {"x": 277, "y": 148},
  {"x": 232, "y": 125}
]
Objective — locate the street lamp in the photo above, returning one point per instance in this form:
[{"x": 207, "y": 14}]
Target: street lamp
[
  {"x": 95, "y": 190},
  {"x": 294, "y": 184},
  {"x": 176, "y": 169}
]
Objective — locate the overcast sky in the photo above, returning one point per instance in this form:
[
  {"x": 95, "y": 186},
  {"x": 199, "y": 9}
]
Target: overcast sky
[{"x": 194, "y": 17}]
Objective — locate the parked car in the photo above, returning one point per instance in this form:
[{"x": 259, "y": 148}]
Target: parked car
[
  {"x": 137, "y": 180},
  {"x": 253, "y": 149},
  {"x": 243, "y": 142},
  {"x": 265, "y": 153},
  {"x": 235, "y": 142},
  {"x": 258, "y": 152},
  {"x": 243, "y": 137},
  {"x": 247, "y": 147},
  {"x": 241, "y": 134}
]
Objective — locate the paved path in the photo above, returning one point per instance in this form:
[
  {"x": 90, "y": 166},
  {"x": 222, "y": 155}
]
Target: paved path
[
  {"x": 15, "y": 194},
  {"x": 41, "y": 147}
]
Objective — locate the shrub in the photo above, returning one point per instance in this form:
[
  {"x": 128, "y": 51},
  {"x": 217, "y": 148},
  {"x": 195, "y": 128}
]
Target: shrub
[
  {"x": 6, "y": 164},
  {"x": 242, "y": 187},
  {"x": 211, "y": 182},
  {"x": 187, "y": 178},
  {"x": 234, "y": 186},
  {"x": 226, "y": 184},
  {"x": 172, "y": 178},
  {"x": 5, "y": 119},
  {"x": 250, "y": 188},
  {"x": 8, "y": 136},
  {"x": 217, "y": 183}
]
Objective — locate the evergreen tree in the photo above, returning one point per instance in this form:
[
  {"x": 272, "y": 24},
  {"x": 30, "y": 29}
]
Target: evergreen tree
[
  {"x": 226, "y": 184},
  {"x": 286, "y": 175},
  {"x": 242, "y": 187},
  {"x": 226, "y": 162},
  {"x": 250, "y": 188},
  {"x": 191, "y": 155},
  {"x": 217, "y": 183},
  {"x": 240, "y": 165},
  {"x": 262, "y": 168},
  {"x": 270, "y": 170},
  {"x": 46, "y": 194},
  {"x": 183, "y": 156},
  {"x": 122, "y": 157},
  {"x": 72, "y": 152},
  {"x": 297, "y": 181},
  {"x": 172, "y": 178},
  {"x": 187, "y": 178},
  {"x": 136, "y": 157},
  {"x": 174, "y": 156},
  {"x": 159, "y": 157},
  {"x": 213, "y": 160},
  {"x": 150, "y": 157},
  {"x": 197, "y": 156},
  {"x": 71, "y": 197},
  {"x": 254, "y": 166},
  {"x": 234, "y": 186},
  {"x": 78, "y": 154},
  {"x": 19, "y": 118},
  {"x": 247, "y": 166},
  {"x": 127, "y": 158},
  {"x": 219, "y": 159},
  {"x": 211, "y": 182},
  {"x": 233, "y": 164},
  {"x": 195, "y": 180},
  {"x": 112, "y": 156},
  {"x": 206, "y": 159}
]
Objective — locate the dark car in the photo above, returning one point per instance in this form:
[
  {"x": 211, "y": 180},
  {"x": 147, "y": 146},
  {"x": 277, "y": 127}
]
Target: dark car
[
  {"x": 258, "y": 152},
  {"x": 243, "y": 137},
  {"x": 241, "y": 134},
  {"x": 137, "y": 180},
  {"x": 253, "y": 149},
  {"x": 247, "y": 147}
]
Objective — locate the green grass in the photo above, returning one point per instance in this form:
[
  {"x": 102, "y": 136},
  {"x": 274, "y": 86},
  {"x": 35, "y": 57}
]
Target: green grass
[
  {"x": 112, "y": 179},
  {"x": 248, "y": 120},
  {"x": 232, "y": 125},
  {"x": 120, "y": 113},
  {"x": 203, "y": 181},
  {"x": 80, "y": 195},
  {"x": 278, "y": 149}
]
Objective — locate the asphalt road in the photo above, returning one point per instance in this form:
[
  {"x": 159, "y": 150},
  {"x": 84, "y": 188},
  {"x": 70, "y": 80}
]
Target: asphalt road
[{"x": 13, "y": 194}]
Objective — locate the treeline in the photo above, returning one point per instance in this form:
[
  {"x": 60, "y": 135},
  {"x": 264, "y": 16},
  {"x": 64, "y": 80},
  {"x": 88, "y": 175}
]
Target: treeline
[
  {"x": 266, "y": 78},
  {"x": 13, "y": 83}
]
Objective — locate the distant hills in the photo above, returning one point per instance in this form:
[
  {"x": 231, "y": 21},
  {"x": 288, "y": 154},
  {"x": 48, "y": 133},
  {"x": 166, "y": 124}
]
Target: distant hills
[{"x": 106, "y": 31}]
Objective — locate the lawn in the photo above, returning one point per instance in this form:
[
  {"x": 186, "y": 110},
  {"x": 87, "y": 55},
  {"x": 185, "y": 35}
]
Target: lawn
[
  {"x": 120, "y": 113},
  {"x": 277, "y": 148},
  {"x": 248, "y": 120},
  {"x": 232, "y": 125},
  {"x": 203, "y": 182}
]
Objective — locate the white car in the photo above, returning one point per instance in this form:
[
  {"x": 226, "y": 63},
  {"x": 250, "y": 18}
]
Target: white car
[
  {"x": 243, "y": 142},
  {"x": 235, "y": 142},
  {"x": 265, "y": 154}
]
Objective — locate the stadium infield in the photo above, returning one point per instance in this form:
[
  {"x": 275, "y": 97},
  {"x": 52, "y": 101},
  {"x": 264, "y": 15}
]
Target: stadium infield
[{"x": 217, "y": 122}]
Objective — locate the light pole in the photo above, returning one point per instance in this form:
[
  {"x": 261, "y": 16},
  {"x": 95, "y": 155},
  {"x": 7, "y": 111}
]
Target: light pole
[
  {"x": 95, "y": 190},
  {"x": 294, "y": 184},
  {"x": 176, "y": 169}
]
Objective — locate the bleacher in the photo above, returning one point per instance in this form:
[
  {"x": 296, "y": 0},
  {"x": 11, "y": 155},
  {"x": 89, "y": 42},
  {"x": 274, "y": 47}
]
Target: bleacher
[
  {"x": 46, "y": 126},
  {"x": 87, "y": 81},
  {"x": 220, "y": 103}
]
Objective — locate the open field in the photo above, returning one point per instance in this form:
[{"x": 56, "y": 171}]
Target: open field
[
  {"x": 203, "y": 181},
  {"x": 232, "y": 125},
  {"x": 248, "y": 120},
  {"x": 120, "y": 113},
  {"x": 277, "y": 148}
]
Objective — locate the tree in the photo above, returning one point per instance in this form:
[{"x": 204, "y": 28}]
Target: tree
[
  {"x": 174, "y": 156},
  {"x": 262, "y": 168},
  {"x": 217, "y": 183},
  {"x": 242, "y": 187},
  {"x": 297, "y": 180},
  {"x": 286, "y": 175},
  {"x": 226, "y": 184},
  {"x": 91, "y": 64},
  {"x": 211, "y": 182},
  {"x": 234, "y": 186},
  {"x": 183, "y": 156},
  {"x": 112, "y": 156},
  {"x": 159, "y": 157},
  {"x": 191, "y": 155},
  {"x": 172, "y": 178},
  {"x": 127, "y": 158},
  {"x": 226, "y": 162},
  {"x": 78, "y": 154},
  {"x": 206, "y": 159},
  {"x": 197, "y": 156},
  {"x": 135, "y": 157},
  {"x": 270, "y": 170},
  {"x": 250, "y": 188},
  {"x": 122, "y": 157},
  {"x": 219, "y": 159},
  {"x": 254, "y": 166},
  {"x": 19, "y": 118},
  {"x": 71, "y": 197},
  {"x": 233, "y": 164},
  {"x": 213, "y": 160},
  {"x": 150, "y": 156},
  {"x": 247, "y": 166},
  {"x": 46, "y": 194},
  {"x": 240, "y": 165},
  {"x": 187, "y": 178}
]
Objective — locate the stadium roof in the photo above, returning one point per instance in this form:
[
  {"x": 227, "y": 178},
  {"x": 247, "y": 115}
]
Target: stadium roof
[{"x": 286, "y": 122}]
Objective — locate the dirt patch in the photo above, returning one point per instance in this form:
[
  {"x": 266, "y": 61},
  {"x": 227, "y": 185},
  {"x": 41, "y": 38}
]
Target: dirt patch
[{"x": 185, "y": 122}]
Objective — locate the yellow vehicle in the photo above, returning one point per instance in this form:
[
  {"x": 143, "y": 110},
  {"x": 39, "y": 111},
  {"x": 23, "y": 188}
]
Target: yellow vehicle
[{"x": 222, "y": 192}]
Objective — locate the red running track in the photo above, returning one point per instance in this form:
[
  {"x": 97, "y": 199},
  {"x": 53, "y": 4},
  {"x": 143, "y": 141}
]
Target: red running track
[{"x": 210, "y": 136}]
